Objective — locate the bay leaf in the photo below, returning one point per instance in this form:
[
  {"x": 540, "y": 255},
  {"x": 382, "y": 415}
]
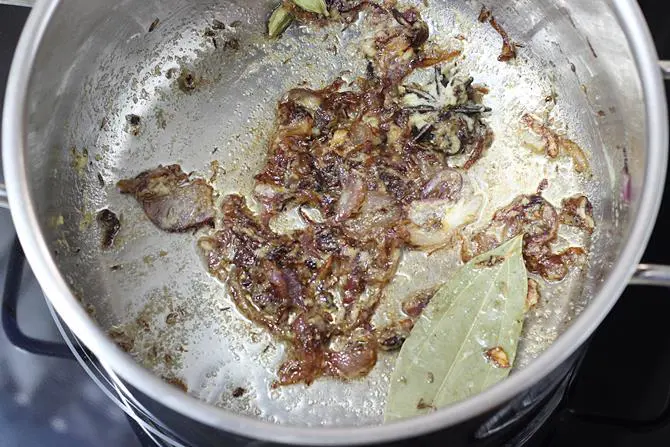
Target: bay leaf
[
  {"x": 315, "y": 6},
  {"x": 479, "y": 310},
  {"x": 280, "y": 19}
]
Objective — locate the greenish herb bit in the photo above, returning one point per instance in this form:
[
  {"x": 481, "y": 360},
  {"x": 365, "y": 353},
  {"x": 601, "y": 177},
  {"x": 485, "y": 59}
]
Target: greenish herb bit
[
  {"x": 466, "y": 338},
  {"x": 280, "y": 19},
  {"x": 315, "y": 6}
]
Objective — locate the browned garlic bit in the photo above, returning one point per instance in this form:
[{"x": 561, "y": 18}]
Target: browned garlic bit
[
  {"x": 533, "y": 296},
  {"x": 508, "y": 51},
  {"x": 577, "y": 211},
  {"x": 542, "y": 139},
  {"x": 498, "y": 357}
]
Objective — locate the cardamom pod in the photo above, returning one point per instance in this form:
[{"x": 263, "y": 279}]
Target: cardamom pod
[
  {"x": 280, "y": 19},
  {"x": 316, "y": 6}
]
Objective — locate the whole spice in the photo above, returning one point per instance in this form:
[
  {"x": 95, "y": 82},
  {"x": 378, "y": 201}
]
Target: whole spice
[
  {"x": 315, "y": 6},
  {"x": 280, "y": 19},
  {"x": 442, "y": 360}
]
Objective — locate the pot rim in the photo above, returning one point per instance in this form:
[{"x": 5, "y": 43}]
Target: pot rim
[{"x": 22, "y": 207}]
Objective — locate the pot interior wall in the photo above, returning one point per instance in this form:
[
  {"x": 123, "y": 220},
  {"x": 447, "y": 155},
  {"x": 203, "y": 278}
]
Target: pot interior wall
[{"x": 87, "y": 78}]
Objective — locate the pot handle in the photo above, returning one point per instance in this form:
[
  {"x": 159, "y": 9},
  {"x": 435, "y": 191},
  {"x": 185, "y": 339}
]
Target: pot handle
[
  {"x": 665, "y": 69},
  {"x": 3, "y": 196},
  {"x": 651, "y": 275},
  {"x": 10, "y": 298},
  {"x": 29, "y": 3}
]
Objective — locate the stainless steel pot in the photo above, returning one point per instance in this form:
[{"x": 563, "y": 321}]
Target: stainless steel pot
[{"x": 82, "y": 65}]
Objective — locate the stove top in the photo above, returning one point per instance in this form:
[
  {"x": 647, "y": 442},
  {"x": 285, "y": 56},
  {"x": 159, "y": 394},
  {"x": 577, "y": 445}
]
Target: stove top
[{"x": 620, "y": 395}]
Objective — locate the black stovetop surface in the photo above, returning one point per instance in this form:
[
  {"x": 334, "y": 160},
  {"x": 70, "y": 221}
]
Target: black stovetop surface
[{"x": 621, "y": 393}]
